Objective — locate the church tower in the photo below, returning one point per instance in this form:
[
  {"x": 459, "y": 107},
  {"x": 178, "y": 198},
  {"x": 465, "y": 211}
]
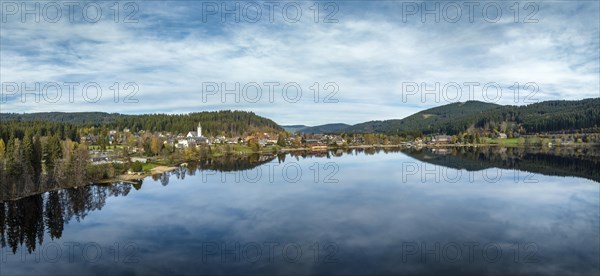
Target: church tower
[{"x": 199, "y": 133}]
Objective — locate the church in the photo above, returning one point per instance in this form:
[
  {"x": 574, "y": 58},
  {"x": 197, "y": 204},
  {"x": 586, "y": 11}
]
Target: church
[{"x": 196, "y": 136}]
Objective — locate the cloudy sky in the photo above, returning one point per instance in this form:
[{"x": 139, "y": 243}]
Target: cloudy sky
[{"x": 353, "y": 61}]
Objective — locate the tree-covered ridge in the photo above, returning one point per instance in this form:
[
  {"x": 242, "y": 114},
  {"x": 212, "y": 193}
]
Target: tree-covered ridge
[
  {"x": 458, "y": 117},
  {"x": 213, "y": 123},
  {"x": 65, "y": 125},
  {"x": 80, "y": 118},
  {"x": 553, "y": 115},
  {"x": 17, "y": 129},
  {"x": 453, "y": 118},
  {"x": 427, "y": 121},
  {"x": 327, "y": 128}
]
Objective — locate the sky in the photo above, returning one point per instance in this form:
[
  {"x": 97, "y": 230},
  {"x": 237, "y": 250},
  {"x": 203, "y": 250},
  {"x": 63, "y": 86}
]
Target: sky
[{"x": 299, "y": 62}]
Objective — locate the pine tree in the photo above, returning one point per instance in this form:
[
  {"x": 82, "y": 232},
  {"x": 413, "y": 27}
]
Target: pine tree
[
  {"x": 281, "y": 140},
  {"x": 37, "y": 155},
  {"x": 52, "y": 152},
  {"x": 12, "y": 168},
  {"x": 28, "y": 153}
]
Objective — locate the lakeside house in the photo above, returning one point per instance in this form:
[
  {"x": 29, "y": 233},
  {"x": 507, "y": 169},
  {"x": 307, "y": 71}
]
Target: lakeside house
[
  {"x": 182, "y": 143},
  {"x": 90, "y": 139},
  {"x": 234, "y": 140},
  {"x": 315, "y": 144},
  {"x": 97, "y": 160},
  {"x": 441, "y": 139},
  {"x": 139, "y": 159}
]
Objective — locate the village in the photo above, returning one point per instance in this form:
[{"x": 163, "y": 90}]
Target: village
[
  {"x": 142, "y": 146},
  {"x": 166, "y": 148}
]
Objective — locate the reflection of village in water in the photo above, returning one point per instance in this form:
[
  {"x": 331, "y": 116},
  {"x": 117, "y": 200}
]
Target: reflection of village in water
[
  {"x": 28, "y": 211},
  {"x": 565, "y": 161}
]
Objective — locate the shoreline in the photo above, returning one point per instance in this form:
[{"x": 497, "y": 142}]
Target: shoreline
[
  {"x": 167, "y": 168},
  {"x": 137, "y": 176}
]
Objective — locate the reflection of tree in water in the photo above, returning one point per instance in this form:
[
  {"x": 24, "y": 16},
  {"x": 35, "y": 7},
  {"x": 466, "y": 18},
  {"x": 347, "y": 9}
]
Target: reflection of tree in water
[
  {"x": 559, "y": 162},
  {"x": 27, "y": 185},
  {"x": 230, "y": 163},
  {"x": 179, "y": 172},
  {"x": 164, "y": 179},
  {"x": 45, "y": 206},
  {"x": 24, "y": 221},
  {"x": 29, "y": 209}
]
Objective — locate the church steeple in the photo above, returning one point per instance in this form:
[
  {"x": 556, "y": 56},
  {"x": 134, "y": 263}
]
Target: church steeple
[{"x": 199, "y": 133}]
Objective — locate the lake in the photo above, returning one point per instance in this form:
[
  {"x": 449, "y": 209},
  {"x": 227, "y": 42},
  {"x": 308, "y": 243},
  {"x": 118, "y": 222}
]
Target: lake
[{"x": 427, "y": 211}]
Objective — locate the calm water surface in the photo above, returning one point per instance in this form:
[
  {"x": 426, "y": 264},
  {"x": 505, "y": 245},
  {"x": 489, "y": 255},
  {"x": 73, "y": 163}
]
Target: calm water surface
[{"x": 383, "y": 213}]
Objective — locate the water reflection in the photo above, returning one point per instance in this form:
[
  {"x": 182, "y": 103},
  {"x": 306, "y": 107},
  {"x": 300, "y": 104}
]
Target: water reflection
[
  {"x": 24, "y": 221},
  {"x": 229, "y": 163},
  {"x": 25, "y": 218},
  {"x": 558, "y": 162},
  {"x": 186, "y": 221}
]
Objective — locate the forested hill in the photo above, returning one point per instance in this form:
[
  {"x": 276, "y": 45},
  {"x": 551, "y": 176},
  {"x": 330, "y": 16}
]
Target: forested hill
[
  {"x": 457, "y": 117},
  {"x": 327, "y": 128},
  {"x": 447, "y": 119},
  {"x": 213, "y": 123},
  {"x": 218, "y": 122},
  {"x": 552, "y": 115},
  {"x": 431, "y": 120},
  {"x": 79, "y": 118}
]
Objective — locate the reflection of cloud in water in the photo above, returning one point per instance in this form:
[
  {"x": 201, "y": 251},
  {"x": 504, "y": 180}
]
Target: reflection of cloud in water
[{"x": 370, "y": 213}]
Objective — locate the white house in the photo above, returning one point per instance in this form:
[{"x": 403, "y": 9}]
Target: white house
[
  {"x": 139, "y": 159},
  {"x": 182, "y": 143}
]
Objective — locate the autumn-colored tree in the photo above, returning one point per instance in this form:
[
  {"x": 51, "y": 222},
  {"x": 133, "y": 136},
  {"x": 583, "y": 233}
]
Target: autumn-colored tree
[
  {"x": 281, "y": 139},
  {"x": 191, "y": 153},
  {"x": 253, "y": 144},
  {"x": 155, "y": 145},
  {"x": 2, "y": 150}
]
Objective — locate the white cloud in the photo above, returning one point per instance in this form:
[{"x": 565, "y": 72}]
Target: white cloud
[{"x": 368, "y": 55}]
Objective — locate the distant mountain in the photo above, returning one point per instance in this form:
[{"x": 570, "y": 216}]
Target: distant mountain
[
  {"x": 435, "y": 119},
  {"x": 294, "y": 128},
  {"x": 213, "y": 122},
  {"x": 456, "y": 117},
  {"x": 327, "y": 128},
  {"x": 447, "y": 119},
  {"x": 94, "y": 118}
]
